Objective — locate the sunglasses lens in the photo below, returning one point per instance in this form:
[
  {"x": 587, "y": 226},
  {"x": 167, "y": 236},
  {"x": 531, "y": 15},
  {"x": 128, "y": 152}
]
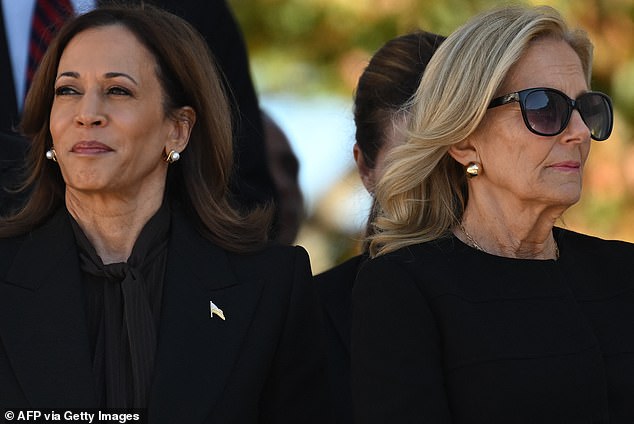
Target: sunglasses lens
[
  {"x": 546, "y": 111},
  {"x": 596, "y": 112}
]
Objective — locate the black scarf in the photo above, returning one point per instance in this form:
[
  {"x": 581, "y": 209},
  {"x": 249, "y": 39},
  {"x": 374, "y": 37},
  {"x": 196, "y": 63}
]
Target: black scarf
[{"x": 123, "y": 302}]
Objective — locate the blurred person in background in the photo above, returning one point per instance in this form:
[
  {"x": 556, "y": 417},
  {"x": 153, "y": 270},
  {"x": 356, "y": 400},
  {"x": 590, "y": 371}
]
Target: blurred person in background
[
  {"x": 12, "y": 153},
  {"x": 128, "y": 280},
  {"x": 284, "y": 167},
  {"x": 475, "y": 307},
  {"x": 389, "y": 80}
]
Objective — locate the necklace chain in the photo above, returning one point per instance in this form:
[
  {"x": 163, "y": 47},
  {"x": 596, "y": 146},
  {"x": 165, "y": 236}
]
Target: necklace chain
[
  {"x": 470, "y": 239},
  {"x": 475, "y": 244}
]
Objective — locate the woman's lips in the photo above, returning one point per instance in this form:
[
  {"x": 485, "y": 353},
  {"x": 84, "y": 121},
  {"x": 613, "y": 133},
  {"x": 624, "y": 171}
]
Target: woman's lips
[
  {"x": 566, "y": 166},
  {"x": 90, "y": 147}
]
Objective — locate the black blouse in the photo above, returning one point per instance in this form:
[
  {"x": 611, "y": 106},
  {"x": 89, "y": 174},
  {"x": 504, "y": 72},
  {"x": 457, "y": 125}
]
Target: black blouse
[
  {"x": 123, "y": 305},
  {"x": 444, "y": 333}
]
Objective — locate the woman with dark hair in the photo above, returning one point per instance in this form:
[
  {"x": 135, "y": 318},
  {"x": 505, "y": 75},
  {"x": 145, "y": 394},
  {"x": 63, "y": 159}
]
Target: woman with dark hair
[
  {"x": 129, "y": 280},
  {"x": 385, "y": 86}
]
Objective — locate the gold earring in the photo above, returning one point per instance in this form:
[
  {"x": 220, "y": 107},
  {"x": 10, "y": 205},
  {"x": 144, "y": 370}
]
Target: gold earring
[
  {"x": 172, "y": 156},
  {"x": 51, "y": 155},
  {"x": 473, "y": 170}
]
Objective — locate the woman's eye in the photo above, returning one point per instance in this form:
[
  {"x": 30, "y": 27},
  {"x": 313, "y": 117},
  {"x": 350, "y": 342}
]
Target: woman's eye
[
  {"x": 118, "y": 91},
  {"x": 65, "y": 91}
]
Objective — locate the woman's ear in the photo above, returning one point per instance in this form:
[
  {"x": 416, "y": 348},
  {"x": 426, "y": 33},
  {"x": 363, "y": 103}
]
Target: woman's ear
[
  {"x": 464, "y": 152},
  {"x": 365, "y": 172},
  {"x": 184, "y": 120}
]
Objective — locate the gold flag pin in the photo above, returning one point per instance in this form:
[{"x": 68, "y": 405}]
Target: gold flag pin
[{"x": 216, "y": 310}]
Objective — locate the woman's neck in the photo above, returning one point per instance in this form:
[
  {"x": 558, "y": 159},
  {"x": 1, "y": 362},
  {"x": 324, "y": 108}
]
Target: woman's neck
[
  {"x": 524, "y": 233},
  {"x": 112, "y": 224}
]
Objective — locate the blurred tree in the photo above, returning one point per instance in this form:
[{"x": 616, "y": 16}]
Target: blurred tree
[{"x": 305, "y": 46}]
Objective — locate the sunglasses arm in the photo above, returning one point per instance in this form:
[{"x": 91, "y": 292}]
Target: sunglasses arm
[{"x": 508, "y": 98}]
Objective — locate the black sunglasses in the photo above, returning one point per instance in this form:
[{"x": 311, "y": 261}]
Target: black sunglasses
[{"x": 546, "y": 111}]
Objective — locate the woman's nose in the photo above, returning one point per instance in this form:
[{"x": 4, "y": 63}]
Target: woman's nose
[
  {"x": 577, "y": 131},
  {"x": 90, "y": 111}
]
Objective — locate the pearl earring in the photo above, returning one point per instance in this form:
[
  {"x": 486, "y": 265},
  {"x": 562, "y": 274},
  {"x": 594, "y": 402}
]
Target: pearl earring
[
  {"x": 473, "y": 170},
  {"x": 172, "y": 156},
  {"x": 51, "y": 155}
]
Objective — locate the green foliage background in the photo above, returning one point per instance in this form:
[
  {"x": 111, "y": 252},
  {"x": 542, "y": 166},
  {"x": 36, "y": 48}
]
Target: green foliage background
[{"x": 304, "y": 45}]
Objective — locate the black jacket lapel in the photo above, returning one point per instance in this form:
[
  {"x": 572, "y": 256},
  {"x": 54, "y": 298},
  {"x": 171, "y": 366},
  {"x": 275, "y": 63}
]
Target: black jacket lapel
[
  {"x": 196, "y": 351},
  {"x": 42, "y": 319}
]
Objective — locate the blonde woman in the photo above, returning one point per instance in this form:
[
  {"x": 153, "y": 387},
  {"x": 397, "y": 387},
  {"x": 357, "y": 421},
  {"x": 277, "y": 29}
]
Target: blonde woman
[{"x": 474, "y": 308}]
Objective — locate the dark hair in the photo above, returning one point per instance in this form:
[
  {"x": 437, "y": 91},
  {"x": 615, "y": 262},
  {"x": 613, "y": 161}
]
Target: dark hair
[
  {"x": 387, "y": 83},
  {"x": 188, "y": 76},
  {"x": 385, "y": 86}
]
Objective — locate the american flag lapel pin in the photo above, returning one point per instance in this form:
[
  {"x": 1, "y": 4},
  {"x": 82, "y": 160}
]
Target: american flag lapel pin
[{"x": 214, "y": 310}]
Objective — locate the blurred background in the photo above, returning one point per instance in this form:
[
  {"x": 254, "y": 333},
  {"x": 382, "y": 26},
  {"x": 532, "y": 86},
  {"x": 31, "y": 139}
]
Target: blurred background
[{"x": 306, "y": 57}]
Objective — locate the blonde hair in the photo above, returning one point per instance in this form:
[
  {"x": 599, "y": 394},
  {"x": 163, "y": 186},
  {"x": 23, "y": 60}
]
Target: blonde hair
[{"x": 423, "y": 191}]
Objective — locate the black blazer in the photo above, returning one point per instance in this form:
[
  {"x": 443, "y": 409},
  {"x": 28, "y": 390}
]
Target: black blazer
[
  {"x": 12, "y": 152},
  {"x": 335, "y": 296},
  {"x": 263, "y": 364},
  {"x": 9, "y": 117},
  {"x": 253, "y": 183}
]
